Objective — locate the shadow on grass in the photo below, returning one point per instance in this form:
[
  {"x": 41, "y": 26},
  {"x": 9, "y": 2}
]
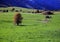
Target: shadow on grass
[
  {"x": 7, "y": 21},
  {"x": 26, "y": 25},
  {"x": 22, "y": 25}
]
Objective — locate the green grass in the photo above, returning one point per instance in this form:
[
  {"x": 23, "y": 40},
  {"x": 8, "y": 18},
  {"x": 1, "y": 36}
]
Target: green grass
[{"x": 33, "y": 30}]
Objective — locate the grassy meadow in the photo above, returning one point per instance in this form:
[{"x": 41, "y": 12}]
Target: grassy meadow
[{"x": 33, "y": 28}]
